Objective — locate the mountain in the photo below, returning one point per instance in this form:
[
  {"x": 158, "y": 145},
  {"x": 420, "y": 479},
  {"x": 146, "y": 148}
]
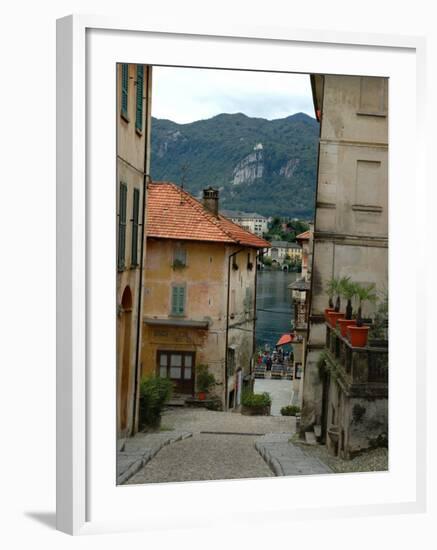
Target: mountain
[{"x": 259, "y": 165}]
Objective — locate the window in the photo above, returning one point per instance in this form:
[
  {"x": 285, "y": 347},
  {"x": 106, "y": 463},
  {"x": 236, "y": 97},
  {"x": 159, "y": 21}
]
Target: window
[
  {"x": 135, "y": 215},
  {"x": 248, "y": 299},
  {"x": 179, "y": 367},
  {"x": 122, "y": 226},
  {"x": 373, "y": 96},
  {"x": 178, "y": 300},
  {"x": 179, "y": 256},
  {"x": 139, "y": 105},
  {"x": 232, "y": 305},
  {"x": 124, "y": 88},
  {"x": 231, "y": 360}
]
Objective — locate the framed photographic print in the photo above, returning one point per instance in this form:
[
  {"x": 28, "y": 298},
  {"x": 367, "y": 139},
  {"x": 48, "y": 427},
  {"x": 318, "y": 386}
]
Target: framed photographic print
[{"x": 232, "y": 312}]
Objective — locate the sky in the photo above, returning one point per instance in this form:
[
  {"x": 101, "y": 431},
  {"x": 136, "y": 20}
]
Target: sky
[{"x": 185, "y": 95}]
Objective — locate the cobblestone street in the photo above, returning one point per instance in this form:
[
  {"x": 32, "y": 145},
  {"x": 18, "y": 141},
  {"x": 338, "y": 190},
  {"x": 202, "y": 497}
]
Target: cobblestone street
[{"x": 227, "y": 453}]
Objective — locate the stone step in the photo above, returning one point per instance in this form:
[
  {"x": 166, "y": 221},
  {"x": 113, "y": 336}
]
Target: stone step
[
  {"x": 176, "y": 402},
  {"x": 310, "y": 438},
  {"x": 317, "y": 431}
]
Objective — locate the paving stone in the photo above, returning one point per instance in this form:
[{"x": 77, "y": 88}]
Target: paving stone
[
  {"x": 140, "y": 449},
  {"x": 287, "y": 459},
  {"x": 310, "y": 438},
  {"x": 205, "y": 457}
]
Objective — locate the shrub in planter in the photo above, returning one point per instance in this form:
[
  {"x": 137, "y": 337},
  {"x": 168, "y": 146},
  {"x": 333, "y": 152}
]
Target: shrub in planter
[
  {"x": 290, "y": 410},
  {"x": 214, "y": 404},
  {"x": 204, "y": 381},
  {"x": 154, "y": 393},
  {"x": 255, "y": 403}
]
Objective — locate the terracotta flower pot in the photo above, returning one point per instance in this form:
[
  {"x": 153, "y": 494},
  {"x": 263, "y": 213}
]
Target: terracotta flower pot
[
  {"x": 343, "y": 324},
  {"x": 333, "y": 316},
  {"x": 201, "y": 396},
  {"x": 327, "y": 310},
  {"x": 358, "y": 336}
]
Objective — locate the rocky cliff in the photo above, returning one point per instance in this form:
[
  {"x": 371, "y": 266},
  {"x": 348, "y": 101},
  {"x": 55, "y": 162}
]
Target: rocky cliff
[{"x": 259, "y": 165}]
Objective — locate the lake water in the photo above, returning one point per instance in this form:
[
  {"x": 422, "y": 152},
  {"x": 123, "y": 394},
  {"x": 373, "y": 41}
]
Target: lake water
[{"x": 274, "y": 307}]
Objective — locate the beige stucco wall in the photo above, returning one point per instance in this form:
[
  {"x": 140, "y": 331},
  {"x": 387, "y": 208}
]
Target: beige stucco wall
[
  {"x": 351, "y": 223},
  {"x": 132, "y": 161},
  {"x": 206, "y": 278},
  {"x": 241, "y": 327}
]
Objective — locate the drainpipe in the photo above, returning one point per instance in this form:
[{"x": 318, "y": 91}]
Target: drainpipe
[
  {"x": 309, "y": 295},
  {"x": 227, "y": 323},
  {"x": 146, "y": 179},
  {"x": 257, "y": 255}
]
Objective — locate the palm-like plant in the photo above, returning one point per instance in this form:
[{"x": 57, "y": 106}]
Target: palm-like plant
[
  {"x": 333, "y": 289},
  {"x": 348, "y": 291},
  {"x": 364, "y": 294}
]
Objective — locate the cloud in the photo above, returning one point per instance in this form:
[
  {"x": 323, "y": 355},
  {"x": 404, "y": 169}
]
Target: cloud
[{"x": 185, "y": 95}]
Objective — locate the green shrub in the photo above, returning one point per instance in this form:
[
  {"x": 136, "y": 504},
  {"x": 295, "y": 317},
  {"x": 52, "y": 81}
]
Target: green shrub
[
  {"x": 255, "y": 400},
  {"x": 322, "y": 366},
  {"x": 154, "y": 392},
  {"x": 290, "y": 410},
  {"x": 214, "y": 404},
  {"x": 204, "y": 379}
]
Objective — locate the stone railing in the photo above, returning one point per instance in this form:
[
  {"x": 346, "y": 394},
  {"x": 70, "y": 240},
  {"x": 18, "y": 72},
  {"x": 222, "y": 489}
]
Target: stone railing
[{"x": 361, "y": 369}]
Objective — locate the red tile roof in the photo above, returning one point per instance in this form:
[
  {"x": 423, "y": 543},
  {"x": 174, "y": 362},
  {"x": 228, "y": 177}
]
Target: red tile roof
[
  {"x": 172, "y": 213},
  {"x": 305, "y": 236}
]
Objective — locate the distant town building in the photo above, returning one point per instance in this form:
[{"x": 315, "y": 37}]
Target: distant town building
[
  {"x": 282, "y": 251},
  {"x": 255, "y": 223},
  {"x": 133, "y": 126},
  {"x": 300, "y": 296},
  {"x": 199, "y": 295},
  {"x": 347, "y": 403}
]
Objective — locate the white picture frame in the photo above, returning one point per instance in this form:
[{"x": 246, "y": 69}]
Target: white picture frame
[{"x": 87, "y": 46}]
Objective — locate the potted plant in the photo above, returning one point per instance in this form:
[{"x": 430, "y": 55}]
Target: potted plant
[
  {"x": 154, "y": 393},
  {"x": 204, "y": 381},
  {"x": 334, "y": 287},
  {"x": 255, "y": 403},
  {"x": 358, "y": 334},
  {"x": 331, "y": 288},
  {"x": 378, "y": 333},
  {"x": 348, "y": 292},
  {"x": 290, "y": 410}
]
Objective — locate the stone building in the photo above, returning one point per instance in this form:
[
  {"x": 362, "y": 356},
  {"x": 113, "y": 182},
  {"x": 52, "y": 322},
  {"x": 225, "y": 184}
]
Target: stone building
[
  {"x": 133, "y": 128},
  {"x": 300, "y": 296},
  {"x": 253, "y": 222},
  {"x": 199, "y": 296},
  {"x": 347, "y": 403},
  {"x": 282, "y": 251}
]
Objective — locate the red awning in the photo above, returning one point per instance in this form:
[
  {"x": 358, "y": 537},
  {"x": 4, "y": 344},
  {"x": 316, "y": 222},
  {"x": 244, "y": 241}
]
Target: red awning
[{"x": 285, "y": 339}]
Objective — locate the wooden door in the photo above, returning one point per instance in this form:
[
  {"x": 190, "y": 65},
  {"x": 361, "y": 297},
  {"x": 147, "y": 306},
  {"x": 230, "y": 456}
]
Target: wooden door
[{"x": 178, "y": 366}]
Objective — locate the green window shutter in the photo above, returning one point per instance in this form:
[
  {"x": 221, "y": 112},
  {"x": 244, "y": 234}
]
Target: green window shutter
[
  {"x": 174, "y": 300},
  {"x": 122, "y": 226},
  {"x": 178, "y": 300},
  {"x": 140, "y": 92},
  {"x": 124, "y": 87},
  {"x": 135, "y": 215},
  {"x": 181, "y": 300}
]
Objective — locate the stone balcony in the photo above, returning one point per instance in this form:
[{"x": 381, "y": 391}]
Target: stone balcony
[{"x": 362, "y": 372}]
